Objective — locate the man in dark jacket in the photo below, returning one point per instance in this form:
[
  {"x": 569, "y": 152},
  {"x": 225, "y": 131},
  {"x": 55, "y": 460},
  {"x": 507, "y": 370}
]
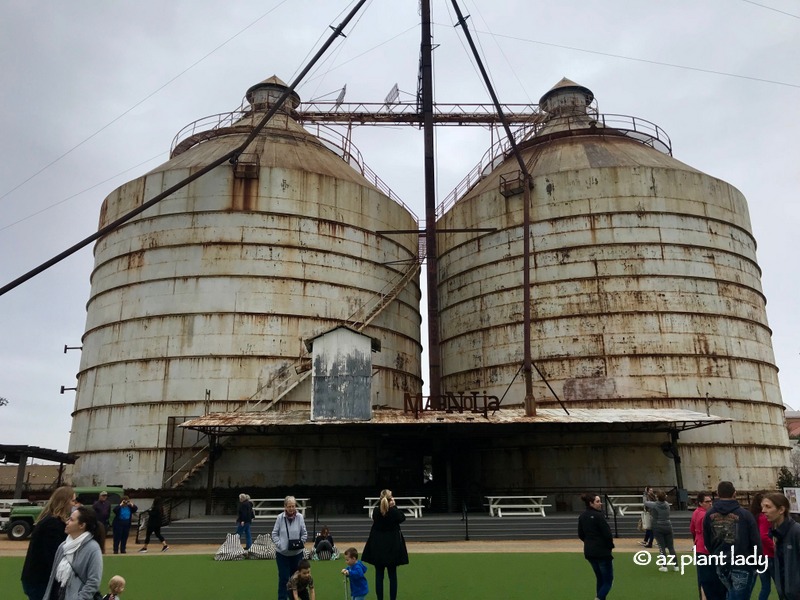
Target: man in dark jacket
[
  {"x": 102, "y": 508},
  {"x": 730, "y": 532}
]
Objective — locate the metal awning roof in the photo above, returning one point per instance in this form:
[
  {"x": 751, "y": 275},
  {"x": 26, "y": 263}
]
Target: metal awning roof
[
  {"x": 578, "y": 420},
  {"x": 15, "y": 454}
]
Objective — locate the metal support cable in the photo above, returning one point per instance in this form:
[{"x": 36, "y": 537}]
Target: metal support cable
[{"x": 530, "y": 405}]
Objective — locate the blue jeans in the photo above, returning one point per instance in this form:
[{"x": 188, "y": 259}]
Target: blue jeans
[
  {"x": 740, "y": 582},
  {"x": 766, "y": 580},
  {"x": 244, "y": 529},
  {"x": 287, "y": 565},
  {"x": 709, "y": 580},
  {"x": 604, "y": 572},
  {"x": 122, "y": 530}
]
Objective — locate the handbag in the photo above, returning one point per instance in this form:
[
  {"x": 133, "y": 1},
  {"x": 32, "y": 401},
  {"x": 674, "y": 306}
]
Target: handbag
[
  {"x": 294, "y": 544},
  {"x": 647, "y": 520},
  {"x": 62, "y": 590},
  {"x": 640, "y": 524}
]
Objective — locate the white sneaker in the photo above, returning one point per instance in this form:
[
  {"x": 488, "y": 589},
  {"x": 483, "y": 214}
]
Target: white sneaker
[
  {"x": 662, "y": 569},
  {"x": 675, "y": 568}
]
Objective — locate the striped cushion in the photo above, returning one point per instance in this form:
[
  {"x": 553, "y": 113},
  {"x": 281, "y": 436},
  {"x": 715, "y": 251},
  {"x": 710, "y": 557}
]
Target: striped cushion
[
  {"x": 262, "y": 548},
  {"x": 231, "y": 549}
]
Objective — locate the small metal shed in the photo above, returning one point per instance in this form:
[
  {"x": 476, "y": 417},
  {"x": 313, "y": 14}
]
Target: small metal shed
[{"x": 341, "y": 378}]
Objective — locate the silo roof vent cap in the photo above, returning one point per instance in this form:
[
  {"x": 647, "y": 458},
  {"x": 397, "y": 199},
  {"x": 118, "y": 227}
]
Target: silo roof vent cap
[
  {"x": 566, "y": 98},
  {"x": 262, "y": 96}
]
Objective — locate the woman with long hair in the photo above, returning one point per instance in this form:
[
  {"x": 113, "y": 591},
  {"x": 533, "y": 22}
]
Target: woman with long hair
[
  {"x": 155, "y": 519},
  {"x": 594, "y": 532},
  {"x": 647, "y": 520},
  {"x": 386, "y": 547},
  {"x": 78, "y": 565},
  {"x": 767, "y": 547},
  {"x": 48, "y": 533},
  {"x": 785, "y": 533},
  {"x": 289, "y": 536}
]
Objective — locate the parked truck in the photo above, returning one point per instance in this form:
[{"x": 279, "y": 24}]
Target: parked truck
[{"x": 17, "y": 517}]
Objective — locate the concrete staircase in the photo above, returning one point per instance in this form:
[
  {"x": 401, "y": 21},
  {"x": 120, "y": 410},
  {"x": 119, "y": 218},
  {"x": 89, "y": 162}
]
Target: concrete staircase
[{"x": 429, "y": 528}]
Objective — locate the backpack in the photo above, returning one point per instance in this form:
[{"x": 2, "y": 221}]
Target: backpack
[{"x": 725, "y": 528}]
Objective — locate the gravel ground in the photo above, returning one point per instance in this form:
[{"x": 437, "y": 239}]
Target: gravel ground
[{"x": 9, "y": 548}]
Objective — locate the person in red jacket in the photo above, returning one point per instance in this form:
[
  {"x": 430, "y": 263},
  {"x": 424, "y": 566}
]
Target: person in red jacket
[
  {"x": 767, "y": 546},
  {"x": 707, "y": 580}
]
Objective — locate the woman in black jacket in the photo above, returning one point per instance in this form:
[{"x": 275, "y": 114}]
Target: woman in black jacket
[
  {"x": 244, "y": 520},
  {"x": 155, "y": 520},
  {"x": 386, "y": 548},
  {"x": 47, "y": 537},
  {"x": 598, "y": 542}
]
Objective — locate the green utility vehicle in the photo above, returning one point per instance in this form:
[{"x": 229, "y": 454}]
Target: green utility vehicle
[{"x": 17, "y": 517}]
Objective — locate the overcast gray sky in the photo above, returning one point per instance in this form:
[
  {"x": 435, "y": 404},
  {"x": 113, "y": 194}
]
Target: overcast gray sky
[{"x": 99, "y": 89}]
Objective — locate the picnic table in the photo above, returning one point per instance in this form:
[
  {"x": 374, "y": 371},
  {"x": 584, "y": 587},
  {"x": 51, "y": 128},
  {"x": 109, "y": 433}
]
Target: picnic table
[
  {"x": 517, "y": 505},
  {"x": 411, "y": 505},
  {"x": 623, "y": 502},
  {"x": 272, "y": 507}
]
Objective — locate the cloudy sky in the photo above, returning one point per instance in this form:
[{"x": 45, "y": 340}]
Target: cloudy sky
[{"x": 93, "y": 93}]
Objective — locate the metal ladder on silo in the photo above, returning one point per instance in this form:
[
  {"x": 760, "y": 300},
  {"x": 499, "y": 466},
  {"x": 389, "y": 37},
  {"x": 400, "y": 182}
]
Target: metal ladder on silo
[{"x": 295, "y": 378}]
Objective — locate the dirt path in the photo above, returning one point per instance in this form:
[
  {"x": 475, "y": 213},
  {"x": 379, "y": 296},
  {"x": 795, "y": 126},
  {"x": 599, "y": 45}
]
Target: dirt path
[{"x": 9, "y": 548}]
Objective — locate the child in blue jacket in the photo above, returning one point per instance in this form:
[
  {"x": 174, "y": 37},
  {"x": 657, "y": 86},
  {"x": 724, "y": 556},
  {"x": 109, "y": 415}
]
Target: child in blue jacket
[{"x": 355, "y": 571}]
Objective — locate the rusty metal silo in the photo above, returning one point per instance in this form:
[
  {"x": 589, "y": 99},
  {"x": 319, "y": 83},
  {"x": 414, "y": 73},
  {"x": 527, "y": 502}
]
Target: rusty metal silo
[
  {"x": 203, "y": 303},
  {"x": 645, "y": 293}
]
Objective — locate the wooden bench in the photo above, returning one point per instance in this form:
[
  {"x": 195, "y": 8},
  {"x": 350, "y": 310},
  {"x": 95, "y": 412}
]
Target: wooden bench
[
  {"x": 517, "y": 506},
  {"x": 623, "y": 502},
  {"x": 265, "y": 508},
  {"x": 411, "y": 505}
]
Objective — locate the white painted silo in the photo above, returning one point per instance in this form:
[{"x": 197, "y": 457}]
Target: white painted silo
[
  {"x": 217, "y": 287},
  {"x": 645, "y": 293}
]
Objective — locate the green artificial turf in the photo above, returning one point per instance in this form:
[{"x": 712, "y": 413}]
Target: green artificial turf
[{"x": 559, "y": 576}]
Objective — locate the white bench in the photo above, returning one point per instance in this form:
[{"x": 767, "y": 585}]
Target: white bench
[
  {"x": 265, "y": 508},
  {"x": 411, "y": 505},
  {"x": 517, "y": 506},
  {"x": 623, "y": 502}
]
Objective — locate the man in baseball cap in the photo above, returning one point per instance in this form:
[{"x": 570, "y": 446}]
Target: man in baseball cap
[{"x": 102, "y": 507}]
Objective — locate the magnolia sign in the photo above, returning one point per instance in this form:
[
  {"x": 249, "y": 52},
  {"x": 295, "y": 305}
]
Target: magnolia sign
[{"x": 449, "y": 402}]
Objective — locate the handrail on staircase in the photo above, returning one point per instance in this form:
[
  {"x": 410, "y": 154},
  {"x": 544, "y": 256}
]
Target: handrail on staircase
[{"x": 609, "y": 504}]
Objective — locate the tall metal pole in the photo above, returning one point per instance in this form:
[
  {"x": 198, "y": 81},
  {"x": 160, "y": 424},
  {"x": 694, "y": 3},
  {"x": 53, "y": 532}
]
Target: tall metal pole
[
  {"x": 527, "y": 180},
  {"x": 426, "y": 92}
]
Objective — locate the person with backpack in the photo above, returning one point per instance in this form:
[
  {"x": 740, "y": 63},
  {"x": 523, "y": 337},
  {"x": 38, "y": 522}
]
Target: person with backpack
[{"x": 731, "y": 532}]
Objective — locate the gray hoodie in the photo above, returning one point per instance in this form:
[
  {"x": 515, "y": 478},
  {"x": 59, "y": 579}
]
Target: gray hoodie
[{"x": 660, "y": 513}]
